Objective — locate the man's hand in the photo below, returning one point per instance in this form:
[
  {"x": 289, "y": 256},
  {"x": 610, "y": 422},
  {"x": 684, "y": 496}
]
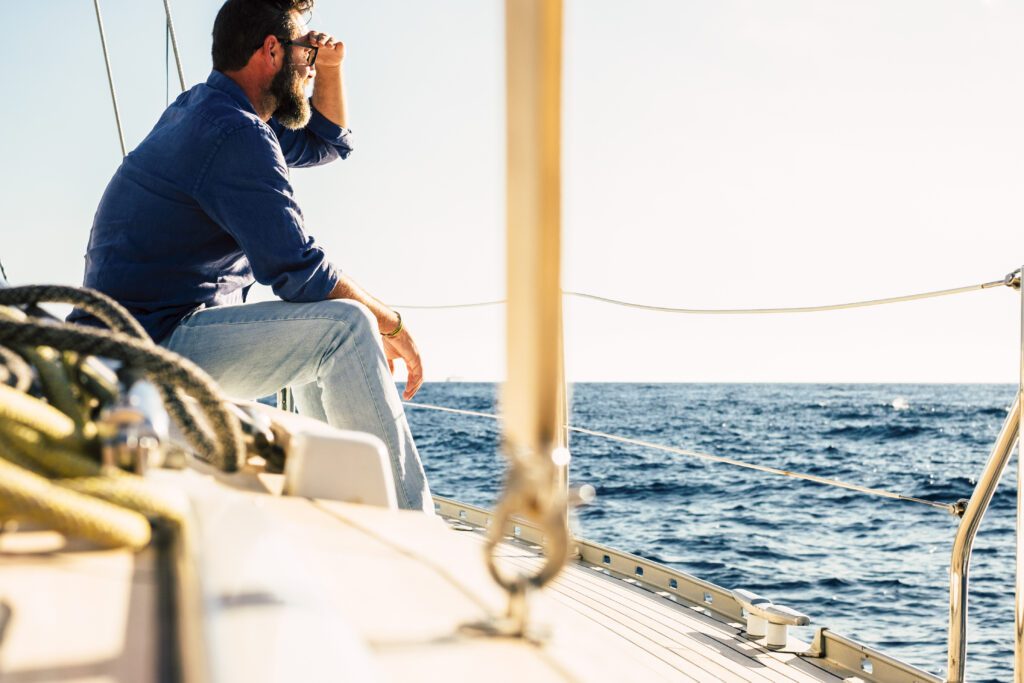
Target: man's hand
[
  {"x": 403, "y": 347},
  {"x": 332, "y": 52},
  {"x": 328, "y": 88},
  {"x": 400, "y": 347}
]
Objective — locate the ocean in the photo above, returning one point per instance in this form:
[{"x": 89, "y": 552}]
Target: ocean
[{"x": 871, "y": 568}]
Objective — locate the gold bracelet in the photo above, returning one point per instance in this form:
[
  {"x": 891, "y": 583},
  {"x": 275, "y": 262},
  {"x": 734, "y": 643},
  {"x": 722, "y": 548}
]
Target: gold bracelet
[{"x": 395, "y": 332}]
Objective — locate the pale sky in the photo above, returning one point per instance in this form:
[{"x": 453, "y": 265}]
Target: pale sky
[{"x": 717, "y": 154}]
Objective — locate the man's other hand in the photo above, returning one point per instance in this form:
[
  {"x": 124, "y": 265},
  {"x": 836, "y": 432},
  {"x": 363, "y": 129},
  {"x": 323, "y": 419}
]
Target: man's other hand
[
  {"x": 403, "y": 347},
  {"x": 332, "y": 51}
]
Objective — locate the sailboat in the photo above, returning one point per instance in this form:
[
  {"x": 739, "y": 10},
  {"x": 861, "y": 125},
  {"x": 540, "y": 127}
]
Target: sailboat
[{"x": 244, "y": 573}]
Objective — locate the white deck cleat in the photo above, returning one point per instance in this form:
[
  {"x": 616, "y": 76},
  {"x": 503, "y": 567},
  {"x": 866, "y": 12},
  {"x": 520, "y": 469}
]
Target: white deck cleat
[{"x": 767, "y": 620}]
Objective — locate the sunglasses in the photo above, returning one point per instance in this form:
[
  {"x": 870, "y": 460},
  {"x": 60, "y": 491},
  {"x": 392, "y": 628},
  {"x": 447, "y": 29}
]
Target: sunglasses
[{"x": 309, "y": 50}]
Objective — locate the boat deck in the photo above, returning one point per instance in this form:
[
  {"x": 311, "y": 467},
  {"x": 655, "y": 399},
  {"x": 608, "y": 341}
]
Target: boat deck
[{"x": 297, "y": 589}]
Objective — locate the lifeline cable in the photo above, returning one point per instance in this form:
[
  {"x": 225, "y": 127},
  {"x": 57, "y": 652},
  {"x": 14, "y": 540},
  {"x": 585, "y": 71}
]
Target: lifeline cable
[
  {"x": 1008, "y": 281},
  {"x": 951, "y": 508}
]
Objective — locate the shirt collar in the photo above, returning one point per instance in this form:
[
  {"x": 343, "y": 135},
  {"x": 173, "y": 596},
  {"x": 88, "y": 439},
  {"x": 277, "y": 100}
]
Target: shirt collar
[{"x": 219, "y": 81}]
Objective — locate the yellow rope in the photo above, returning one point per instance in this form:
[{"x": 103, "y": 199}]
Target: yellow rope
[
  {"x": 32, "y": 412},
  {"x": 56, "y": 458},
  {"x": 29, "y": 496},
  {"x": 127, "y": 491},
  {"x": 104, "y": 505}
]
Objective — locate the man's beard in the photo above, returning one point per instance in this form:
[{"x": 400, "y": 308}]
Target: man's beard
[{"x": 292, "y": 106}]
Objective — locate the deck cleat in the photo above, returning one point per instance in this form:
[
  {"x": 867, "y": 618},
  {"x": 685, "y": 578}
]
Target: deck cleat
[{"x": 768, "y": 620}]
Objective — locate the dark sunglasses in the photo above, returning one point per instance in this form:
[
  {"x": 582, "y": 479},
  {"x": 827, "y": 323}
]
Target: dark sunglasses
[{"x": 310, "y": 50}]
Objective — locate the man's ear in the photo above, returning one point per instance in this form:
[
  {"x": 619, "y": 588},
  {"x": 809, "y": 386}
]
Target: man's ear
[{"x": 270, "y": 52}]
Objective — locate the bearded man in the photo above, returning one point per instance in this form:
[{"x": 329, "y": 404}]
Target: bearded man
[{"x": 204, "y": 206}]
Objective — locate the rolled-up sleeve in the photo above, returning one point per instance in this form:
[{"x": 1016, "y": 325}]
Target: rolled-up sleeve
[
  {"x": 245, "y": 189},
  {"x": 320, "y": 142}
]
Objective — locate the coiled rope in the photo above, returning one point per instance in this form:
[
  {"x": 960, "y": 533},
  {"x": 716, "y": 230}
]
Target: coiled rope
[
  {"x": 952, "y": 508},
  {"x": 49, "y": 450},
  {"x": 128, "y": 342},
  {"x": 1011, "y": 280}
]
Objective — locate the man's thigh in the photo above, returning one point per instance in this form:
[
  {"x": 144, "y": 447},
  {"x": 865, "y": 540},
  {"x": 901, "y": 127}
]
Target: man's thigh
[{"x": 253, "y": 350}]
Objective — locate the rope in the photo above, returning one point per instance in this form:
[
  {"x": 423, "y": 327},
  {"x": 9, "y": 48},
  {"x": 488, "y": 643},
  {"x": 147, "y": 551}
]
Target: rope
[
  {"x": 169, "y": 380},
  {"x": 82, "y": 474},
  {"x": 426, "y": 307},
  {"x": 110, "y": 78},
  {"x": 21, "y": 408},
  {"x": 948, "y": 507},
  {"x": 16, "y": 368},
  {"x": 1008, "y": 281},
  {"x": 24, "y": 494},
  {"x": 795, "y": 309},
  {"x": 49, "y": 450},
  {"x": 108, "y": 311},
  {"x": 163, "y": 366},
  {"x": 456, "y": 411}
]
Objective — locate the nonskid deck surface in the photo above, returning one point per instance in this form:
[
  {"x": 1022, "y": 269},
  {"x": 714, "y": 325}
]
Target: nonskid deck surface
[
  {"x": 296, "y": 589},
  {"x": 667, "y": 639}
]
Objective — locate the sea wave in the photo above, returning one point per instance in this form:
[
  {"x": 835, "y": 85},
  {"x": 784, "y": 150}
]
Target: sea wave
[{"x": 873, "y": 568}]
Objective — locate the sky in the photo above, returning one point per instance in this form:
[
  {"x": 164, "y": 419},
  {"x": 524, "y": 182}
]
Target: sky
[{"x": 716, "y": 154}]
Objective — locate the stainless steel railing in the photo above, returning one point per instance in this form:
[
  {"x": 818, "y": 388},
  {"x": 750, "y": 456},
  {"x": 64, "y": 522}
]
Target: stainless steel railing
[
  {"x": 964, "y": 542},
  {"x": 968, "y": 529}
]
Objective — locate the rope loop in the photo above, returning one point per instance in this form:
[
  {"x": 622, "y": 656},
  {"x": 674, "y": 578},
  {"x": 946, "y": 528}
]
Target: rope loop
[{"x": 532, "y": 493}]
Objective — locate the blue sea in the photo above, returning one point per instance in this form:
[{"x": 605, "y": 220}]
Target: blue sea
[{"x": 872, "y": 568}]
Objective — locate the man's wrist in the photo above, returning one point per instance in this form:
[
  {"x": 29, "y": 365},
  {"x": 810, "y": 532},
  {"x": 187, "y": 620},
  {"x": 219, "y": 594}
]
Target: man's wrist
[{"x": 394, "y": 330}]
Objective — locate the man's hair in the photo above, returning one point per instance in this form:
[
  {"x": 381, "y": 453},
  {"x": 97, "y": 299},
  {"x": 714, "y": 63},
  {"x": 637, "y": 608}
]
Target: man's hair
[{"x": 242, "y": 26}]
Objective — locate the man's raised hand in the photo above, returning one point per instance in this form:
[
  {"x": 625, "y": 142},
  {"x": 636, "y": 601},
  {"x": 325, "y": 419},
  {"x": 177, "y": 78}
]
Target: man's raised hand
[{"x": 332, "y": 51}]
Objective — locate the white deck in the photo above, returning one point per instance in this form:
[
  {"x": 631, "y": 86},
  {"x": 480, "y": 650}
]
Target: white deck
[{"x": 295, "y": 589}]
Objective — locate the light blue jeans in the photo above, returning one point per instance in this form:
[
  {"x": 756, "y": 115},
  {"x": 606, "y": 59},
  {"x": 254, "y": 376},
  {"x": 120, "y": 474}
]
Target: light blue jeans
[{"x": 329, "y": 352}]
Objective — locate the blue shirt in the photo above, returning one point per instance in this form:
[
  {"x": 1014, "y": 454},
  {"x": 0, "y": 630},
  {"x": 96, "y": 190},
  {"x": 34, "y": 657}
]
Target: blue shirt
[{"x": 204, "y": 206}]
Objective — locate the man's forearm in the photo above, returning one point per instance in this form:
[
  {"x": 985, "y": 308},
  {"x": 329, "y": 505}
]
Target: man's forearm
[
  {"x": 387, "y": 319},
  {"x": 329, "y": 94}
]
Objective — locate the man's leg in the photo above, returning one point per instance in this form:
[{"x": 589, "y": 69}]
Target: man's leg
[{"x": 329, "y": 351}]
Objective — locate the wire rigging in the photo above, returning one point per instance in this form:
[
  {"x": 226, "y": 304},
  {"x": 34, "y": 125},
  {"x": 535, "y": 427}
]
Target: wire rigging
[
  {"x": 110, "y": 78},
  {"x": 952, "y": 508}
]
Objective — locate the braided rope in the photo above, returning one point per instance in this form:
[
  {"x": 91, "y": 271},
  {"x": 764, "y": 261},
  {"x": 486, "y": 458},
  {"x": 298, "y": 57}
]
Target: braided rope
[
  {"x": 22, "y": 408},
  {"x": 127, "y": 491},
  {"x": 56, "y": 458},
  {"x": 17, "y": 369},
  {"x": 29, "y": 495},
  {"x": 111, "y": 313},
  {"x": 27, "y": 449},
  {"x": 46, "y": 472},
  {"x": 98, "y": 304},
  {"x": 163, "y": 366}
]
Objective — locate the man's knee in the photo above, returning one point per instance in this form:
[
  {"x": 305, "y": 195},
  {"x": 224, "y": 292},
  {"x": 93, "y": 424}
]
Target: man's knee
[{"x": 355, "y": 315}]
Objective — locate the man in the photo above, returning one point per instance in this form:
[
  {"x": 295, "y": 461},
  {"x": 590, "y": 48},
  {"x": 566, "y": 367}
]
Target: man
[{"x": 204, "y": 206}]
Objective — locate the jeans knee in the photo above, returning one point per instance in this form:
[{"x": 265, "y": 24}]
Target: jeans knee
[{"x": 356, "y": 316}]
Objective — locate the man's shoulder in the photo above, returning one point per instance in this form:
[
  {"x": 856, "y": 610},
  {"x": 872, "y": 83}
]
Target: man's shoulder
[{"x": 222, "y": 112}]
